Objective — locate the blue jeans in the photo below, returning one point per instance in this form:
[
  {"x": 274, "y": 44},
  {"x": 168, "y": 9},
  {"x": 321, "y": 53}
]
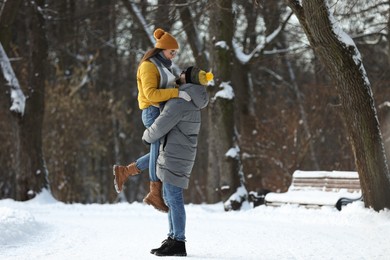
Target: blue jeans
[
  {"x": 149, "y": 160},
  {"x": 173, "y": 197}
]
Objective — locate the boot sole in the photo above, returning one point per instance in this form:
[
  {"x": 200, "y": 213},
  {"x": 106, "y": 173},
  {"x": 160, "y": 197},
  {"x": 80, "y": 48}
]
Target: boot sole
[
  {"x": 154, "y": 206},
  {"x": 181, "y": 254}
]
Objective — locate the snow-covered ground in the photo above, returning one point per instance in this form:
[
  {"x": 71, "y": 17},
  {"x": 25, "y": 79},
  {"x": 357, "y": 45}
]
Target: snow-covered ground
[{"x": 47, "y": 229}]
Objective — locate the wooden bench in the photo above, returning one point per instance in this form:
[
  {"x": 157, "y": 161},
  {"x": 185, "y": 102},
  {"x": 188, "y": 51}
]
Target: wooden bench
[{"x": 319, "y": 188}]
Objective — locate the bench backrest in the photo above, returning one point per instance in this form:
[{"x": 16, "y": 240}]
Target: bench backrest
[{"x": 325, "y": 181}]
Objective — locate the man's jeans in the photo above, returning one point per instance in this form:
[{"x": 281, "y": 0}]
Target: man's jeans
[
  {"x": 149, "y": 160},
  {"x": 173, "y": 197}
]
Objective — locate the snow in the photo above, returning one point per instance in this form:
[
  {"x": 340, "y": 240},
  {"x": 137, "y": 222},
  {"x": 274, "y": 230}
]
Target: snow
[
  {"x": 233, "y": 152},
  {"x": 246, "y": 58},
  {"x": 222, "y": 45},
  {"x": 226, "y": 91},
  {"x": 44, "y": 228},
  {"x": 349, "y": 44},
  {"x": 384, "y": 104},
  {"x": 311, "y": 197},
  {"x": 18, "y": 100},
  {"x": 240, "y": 55},
  {"x": 315, "y": 195},
  {"x": 239, "y": 195},
  {"x": 326, "y": 174}
]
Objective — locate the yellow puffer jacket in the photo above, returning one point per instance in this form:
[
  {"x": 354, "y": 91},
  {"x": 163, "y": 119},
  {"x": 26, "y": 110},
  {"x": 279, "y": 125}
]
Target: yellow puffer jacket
[{"x": 148, "y": 80}]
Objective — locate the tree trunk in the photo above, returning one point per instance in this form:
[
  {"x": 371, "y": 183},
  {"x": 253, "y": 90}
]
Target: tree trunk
[
  {"x": 164, "y": 21},
  {"x": 134, "y": 11},
  {"x": 8, "y": 11},
  {"x": 197, "y": 47},
  {"x": 388, "y": 42},
  {"x": 198, "y": 178},
  {"x": 346, "y": 69},
  {"x": 31, "y": 176},
  {"x": 272, "y": 13},
  {"x": 9, "y": 134},
  {"x": 25, "y": 168},
  {"x": 222, "y": 171}
]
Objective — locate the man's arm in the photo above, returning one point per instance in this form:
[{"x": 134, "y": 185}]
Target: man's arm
[{"x": 170, "y": 116}]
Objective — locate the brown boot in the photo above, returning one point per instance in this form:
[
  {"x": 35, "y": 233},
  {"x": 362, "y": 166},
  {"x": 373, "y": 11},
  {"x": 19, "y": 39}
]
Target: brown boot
[
  {"x": 121, "y": 173},
  {"x": 154, "y": 197}
]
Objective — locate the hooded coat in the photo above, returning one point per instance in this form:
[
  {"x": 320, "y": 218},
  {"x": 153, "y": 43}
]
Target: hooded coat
[{"x": 178, "y": 127}]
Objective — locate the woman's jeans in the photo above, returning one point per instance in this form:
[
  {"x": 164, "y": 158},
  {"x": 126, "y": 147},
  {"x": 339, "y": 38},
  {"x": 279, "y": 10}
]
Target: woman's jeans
[
  {"x": 149, "y": 160},
  {"x": 173, "y": 197}
]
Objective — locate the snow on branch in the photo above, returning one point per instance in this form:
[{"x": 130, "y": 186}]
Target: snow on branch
[
  {"x": 140, "y": 19},
  {"x": 233, "y": 152},
  {"x": 245, "y": 58},
  {"x": 349, "y": 45},
  {"x": 18, "y": 100},
  {"x": 236, "y": 199},
  {"x": 385, "y": 104},
  {"x": 226, "y": 91}
]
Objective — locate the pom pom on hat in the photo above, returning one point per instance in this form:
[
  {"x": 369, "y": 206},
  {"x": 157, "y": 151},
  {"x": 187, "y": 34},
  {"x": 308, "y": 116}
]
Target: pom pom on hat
[
  {"x": 197, "y": 76},
  {"x": 165, "y": 40},
  {"x": 205, "y": 77}
]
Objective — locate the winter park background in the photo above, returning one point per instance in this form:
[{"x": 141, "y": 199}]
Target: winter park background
[
  {"x": 68, "y": 111},
  {"x": 65, "y": 122}
]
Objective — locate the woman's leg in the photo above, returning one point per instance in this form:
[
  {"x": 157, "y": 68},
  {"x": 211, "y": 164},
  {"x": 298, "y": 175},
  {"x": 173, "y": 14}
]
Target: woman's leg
[
  {"x": 149, "y": 115},
  {"x": 154, "y": 197},
  {"x": 121, "y": 173},
  {"x": 142, "y": 163}
]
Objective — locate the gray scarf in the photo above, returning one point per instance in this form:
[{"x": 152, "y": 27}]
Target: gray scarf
[
  {"x": 164, "y": 61},
  {"x": 167, "y": 79}
]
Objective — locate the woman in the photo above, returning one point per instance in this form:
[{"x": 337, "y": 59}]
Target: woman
[
  {"x": 178, "y": 127},
  {"x": 156, "y": 84}
]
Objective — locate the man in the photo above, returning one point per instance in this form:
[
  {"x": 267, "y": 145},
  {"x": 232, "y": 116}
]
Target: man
[{"x": 177, "y": 128}]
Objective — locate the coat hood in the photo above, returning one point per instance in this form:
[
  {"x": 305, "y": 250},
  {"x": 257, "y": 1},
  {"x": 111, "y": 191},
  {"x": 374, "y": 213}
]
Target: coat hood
[{"x": 197, "y": 93}]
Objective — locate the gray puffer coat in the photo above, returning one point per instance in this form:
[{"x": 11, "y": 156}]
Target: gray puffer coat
[{"x": 178, "y": 127}]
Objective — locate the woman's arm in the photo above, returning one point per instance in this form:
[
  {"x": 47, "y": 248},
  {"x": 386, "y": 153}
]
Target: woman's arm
[{"x": 149, "y": 76}]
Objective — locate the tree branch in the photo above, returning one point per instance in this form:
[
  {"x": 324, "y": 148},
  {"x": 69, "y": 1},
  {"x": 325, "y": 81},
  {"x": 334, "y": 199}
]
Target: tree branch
[{"x": 134, "y": 11}]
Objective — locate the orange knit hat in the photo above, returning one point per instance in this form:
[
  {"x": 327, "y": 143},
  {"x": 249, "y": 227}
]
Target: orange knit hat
[{"x": 165, "y": 40}]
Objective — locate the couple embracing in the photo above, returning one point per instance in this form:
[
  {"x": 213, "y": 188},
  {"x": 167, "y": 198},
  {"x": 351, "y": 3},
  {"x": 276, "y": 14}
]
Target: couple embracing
[{"x": 171, "y": 114}]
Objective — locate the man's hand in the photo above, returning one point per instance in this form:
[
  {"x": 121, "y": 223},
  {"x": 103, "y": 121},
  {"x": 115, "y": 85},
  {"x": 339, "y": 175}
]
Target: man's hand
[
  {"x": 184, "y": 95},
  {"x": 145, "y": 143}
]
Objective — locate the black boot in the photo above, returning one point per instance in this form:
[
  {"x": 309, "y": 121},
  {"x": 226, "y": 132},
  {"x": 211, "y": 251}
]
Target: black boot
[
  {"x": 173, "y": 248},
  {"x": 163, "y": 245}
]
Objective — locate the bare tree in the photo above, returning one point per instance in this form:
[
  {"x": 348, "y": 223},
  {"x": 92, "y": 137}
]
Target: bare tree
[
  {"x": 388, "y": 30},
  {"x": 222, "y": 170},
  {"x": 23, "y": 140},
  {"x": 342, "y": 59},
  {"x": 8, "y": 12},
  {"x": 190, "y": 27},
  {"x": 8, "y": 120}
]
